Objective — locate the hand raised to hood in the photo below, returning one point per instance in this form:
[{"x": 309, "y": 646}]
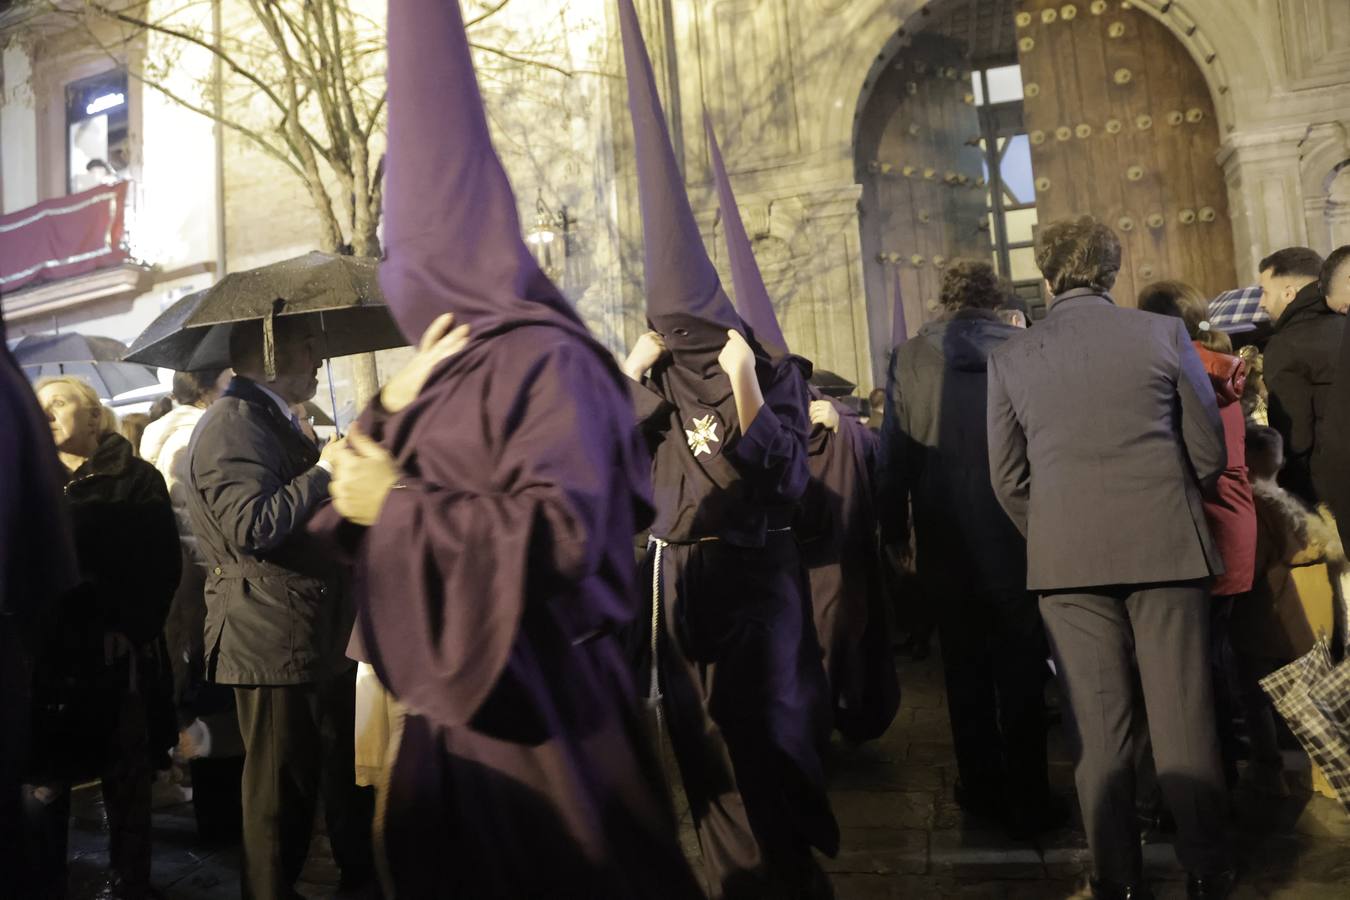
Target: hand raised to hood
[
  {"x": 738, "y": 361},
  {"x": 646, "y": 353},
  {"x": 438, "y": 344}
]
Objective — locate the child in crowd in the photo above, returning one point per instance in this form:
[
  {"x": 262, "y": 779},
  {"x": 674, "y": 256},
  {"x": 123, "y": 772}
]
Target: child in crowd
[{"x": 1276, "y": 623}]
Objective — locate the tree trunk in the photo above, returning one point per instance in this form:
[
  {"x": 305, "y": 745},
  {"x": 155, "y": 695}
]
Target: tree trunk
[{"x": 365, "y": 371}]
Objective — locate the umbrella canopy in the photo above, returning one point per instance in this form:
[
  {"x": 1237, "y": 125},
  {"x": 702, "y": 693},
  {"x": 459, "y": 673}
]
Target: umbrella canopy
[
  {"x": 317, "y": 417},
  {"x": 830, "y": 384},
  {"x": 1238, "y": 310},
  {"x": 340, "y": 292},
  {"x": 97, "y": 360},
  {"x": 1309, "y": 694}
]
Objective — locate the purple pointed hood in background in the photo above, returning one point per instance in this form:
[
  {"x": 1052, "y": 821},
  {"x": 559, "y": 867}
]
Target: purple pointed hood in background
[
  {"x": 685, "y": 300},
  {"x": 899, "y": 331},
  {"x": 752, "y": 297},
  {"x": 452, "y": 230}
]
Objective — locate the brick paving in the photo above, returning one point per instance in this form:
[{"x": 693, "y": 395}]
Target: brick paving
[{"x": 903, "y": 836}]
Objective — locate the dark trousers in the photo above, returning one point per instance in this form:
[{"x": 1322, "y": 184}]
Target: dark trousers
[
  {"x": 1148, "y": 794},
  {"x": 299, "y": 746},
  {"x": 993, "y": 657},
  {"x": 126, "y": 799},
  {"x": 1098, "y": 636}
]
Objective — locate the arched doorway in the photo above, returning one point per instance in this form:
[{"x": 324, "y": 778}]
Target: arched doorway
[
  {"x": 1024, "y": 95},
  {"x": 943, "y": 161}
]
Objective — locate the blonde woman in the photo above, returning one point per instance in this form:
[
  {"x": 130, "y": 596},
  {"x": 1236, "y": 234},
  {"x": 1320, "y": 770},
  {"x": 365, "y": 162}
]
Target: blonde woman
[{"x": 127, "y": 551}]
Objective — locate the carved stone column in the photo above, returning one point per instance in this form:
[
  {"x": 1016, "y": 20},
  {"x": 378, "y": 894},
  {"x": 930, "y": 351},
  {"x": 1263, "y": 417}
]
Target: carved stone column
[
  {"x": 18, "y": 124},
  {"x": 1265, "y": 192}
]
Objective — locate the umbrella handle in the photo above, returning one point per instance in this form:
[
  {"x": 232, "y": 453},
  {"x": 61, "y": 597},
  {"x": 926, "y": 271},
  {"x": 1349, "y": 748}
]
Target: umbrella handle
[{"x": 328, "y": 367}]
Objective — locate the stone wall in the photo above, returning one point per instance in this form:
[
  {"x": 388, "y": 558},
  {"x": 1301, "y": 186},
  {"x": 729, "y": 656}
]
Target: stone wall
[{"x": 784, "y": 81}]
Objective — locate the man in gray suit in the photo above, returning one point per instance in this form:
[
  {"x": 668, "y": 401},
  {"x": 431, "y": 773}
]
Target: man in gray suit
[{"x": 1103, "y": 428}]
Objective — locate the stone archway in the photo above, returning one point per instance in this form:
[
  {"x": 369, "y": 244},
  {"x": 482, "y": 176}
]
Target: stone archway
[
  {"x": 1201, "y": 28},
  {"x": 821, "y": 58}
]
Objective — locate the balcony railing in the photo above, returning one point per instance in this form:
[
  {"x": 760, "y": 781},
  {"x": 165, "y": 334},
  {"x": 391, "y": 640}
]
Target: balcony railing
[{"x": 64, "y": 237}]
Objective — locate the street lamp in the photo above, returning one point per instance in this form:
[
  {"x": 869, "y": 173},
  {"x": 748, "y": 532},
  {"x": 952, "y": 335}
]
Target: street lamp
[{"x": 548, "y": 239}]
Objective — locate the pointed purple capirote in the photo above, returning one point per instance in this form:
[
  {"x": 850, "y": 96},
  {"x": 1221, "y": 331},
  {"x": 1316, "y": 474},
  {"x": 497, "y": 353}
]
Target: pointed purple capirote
[
  {"x": 685, "y": 300},
  {"x": 899, "y": 331},
  {"x": 752, "y": 297},
  {"x": 452, "y": 231}
]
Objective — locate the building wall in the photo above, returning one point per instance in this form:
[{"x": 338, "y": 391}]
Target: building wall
[
  {"x": 786, "y": 78},
  {"x": 171, "y": 205},
  {"x": 784, "y": 81}
]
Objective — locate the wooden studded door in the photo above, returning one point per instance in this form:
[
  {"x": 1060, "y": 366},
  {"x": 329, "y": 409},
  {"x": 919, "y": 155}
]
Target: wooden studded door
[
  {"x": 923, "y": 188},
  {"x": 1122, "y": 126}
]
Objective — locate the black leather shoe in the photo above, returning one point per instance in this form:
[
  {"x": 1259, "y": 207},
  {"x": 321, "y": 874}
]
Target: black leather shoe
[
  {"x": 1110, "y": 890},
  {"x": 1211, "y": 887}
]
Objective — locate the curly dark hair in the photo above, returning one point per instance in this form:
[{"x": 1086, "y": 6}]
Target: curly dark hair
[
  {"x": 1078, "y": 253},
  {"x": 971, "y": 284},
  {"x": 1182, "y": 301}
]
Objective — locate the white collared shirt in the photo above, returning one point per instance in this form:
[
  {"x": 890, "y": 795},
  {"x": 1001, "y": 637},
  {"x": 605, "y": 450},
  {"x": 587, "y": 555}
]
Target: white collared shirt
[
  {"x": 291, "y": 417},
  {"x": 277, "y": 399}
]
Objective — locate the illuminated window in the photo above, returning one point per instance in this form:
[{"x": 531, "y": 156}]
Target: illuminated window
[
  {"x": 1011, "y": 196},
  {"x": 1005, "y": 84},
  {"x": 96, "y": 131}
]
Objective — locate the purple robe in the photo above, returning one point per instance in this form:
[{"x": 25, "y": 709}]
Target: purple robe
[
  {"x": 490, "y": 589},
  {"x": 837, "y": 529}
]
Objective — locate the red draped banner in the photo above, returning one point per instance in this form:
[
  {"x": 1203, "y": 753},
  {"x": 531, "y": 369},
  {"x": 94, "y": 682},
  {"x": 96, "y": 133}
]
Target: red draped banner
[{"x": 63, "y": 237}]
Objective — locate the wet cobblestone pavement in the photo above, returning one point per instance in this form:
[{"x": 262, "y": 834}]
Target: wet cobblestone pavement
[{"x": 903, "y": 836}]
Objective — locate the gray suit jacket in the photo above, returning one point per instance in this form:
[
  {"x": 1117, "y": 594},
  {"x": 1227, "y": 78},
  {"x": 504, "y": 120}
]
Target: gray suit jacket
[{"x": 1102, "y": 428}]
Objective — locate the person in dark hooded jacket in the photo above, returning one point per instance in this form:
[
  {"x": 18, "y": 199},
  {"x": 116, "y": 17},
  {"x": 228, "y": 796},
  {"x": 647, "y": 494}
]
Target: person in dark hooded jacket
[
  {"x": 126, "y": 545},
  {"x": 971, "y": 560},
  {"x": 1300, "y": 366}
]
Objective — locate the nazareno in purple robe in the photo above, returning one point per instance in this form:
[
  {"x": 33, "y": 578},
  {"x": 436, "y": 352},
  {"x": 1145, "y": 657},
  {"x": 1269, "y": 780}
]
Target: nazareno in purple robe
[
  {"x": 491, "y": 586},
  {"x": 739, "y": 668},
  {"x": 837, "y": 532},
  {"x": 836, "y": 526}
]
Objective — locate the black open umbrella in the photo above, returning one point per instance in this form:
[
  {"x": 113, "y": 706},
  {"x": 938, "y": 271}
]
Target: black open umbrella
[
  {"x": 830, "y": 384},
  {"x": 340, "y": 292},
  {"x": 97, "y": 360}
]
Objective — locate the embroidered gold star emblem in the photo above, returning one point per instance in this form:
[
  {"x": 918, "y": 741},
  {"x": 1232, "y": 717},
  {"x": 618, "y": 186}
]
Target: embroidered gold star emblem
[{"x": 705, "y": 432}]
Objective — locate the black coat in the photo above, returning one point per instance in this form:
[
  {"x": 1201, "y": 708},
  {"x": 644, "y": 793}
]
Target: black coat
[
  {"x": 934, "y": 454},
  {"x": 277, "y": 611},
  {"x": 1335, "y": 483},
  {"x": 126, "y": 545},
  {"x": 126, "y": 539},
  {"x": 1300, "y": 366}
]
